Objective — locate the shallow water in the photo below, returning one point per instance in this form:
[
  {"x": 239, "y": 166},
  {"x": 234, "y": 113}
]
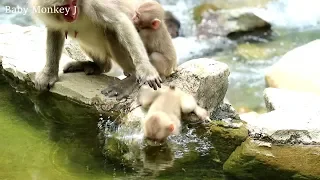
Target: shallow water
[
  {"x": 43, "y": 137},
  {"x": 34, "y": 146},
  {"x": 247, "y": 73}
]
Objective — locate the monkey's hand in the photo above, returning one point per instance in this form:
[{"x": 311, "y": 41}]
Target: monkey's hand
[
  {"x": 45, "y": 80},
  {"x": 202, "y": 114},
  {"x": 148, "y": 74}
]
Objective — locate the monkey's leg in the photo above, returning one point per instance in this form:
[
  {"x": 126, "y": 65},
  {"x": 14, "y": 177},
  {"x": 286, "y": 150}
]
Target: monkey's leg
[
  {"x": 161, "y": 63},
  {"x": 126, "y": 86},
  {"x": 49, "y": 75},
  {"x": 122, "y": 89},
  {"x": 125, "y": 36},
  {"x": 82, "y": 66},
  {"x": 189, "y": 104},
  {"x": 147, "y": 95},
  {"x": 202, "y": 113},
  {"x": 88, "y": 67}
]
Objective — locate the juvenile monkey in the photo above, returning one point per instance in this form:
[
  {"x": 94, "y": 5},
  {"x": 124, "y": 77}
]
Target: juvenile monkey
[
  {"x": 149, "y": 21},
  {"x": 105, "y": 31},
  {"x": 164, "y": 113}
]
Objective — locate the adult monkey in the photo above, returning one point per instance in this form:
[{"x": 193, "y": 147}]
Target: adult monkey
[{"x": 104, "y": 31}]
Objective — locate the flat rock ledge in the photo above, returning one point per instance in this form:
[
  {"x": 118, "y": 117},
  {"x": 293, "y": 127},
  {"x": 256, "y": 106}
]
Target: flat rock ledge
[
  {"x": 22, "y": 54},
  {"x": 283, "y": 143}
]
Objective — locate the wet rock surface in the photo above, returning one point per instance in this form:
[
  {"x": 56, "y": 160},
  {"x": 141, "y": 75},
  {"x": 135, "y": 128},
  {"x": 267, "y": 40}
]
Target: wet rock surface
[{"x": 230, "y": 23}]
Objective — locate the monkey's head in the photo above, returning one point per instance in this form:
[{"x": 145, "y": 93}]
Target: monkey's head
[
  {"x": 149, "y": 15},
  {"x": 158, "y": 127},
  {"x": 62, "y": 9}
]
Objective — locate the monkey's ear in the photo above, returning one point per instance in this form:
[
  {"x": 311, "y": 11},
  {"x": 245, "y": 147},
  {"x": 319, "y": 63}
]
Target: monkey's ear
[
  {"x": 155, "y": 23},
  {"x": 171, "y": 128}
]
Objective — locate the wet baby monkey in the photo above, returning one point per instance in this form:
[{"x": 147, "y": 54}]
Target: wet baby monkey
[
  {"x": 165, "y": 108},
  {"x": 149, "y": 22}
]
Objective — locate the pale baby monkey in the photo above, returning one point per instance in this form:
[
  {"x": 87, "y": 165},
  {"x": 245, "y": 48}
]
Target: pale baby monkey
[{"x": 164, "y": 114}]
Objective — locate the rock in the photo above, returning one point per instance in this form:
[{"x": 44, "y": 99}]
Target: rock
[
  {"x": 230, "y": 23},
  {"x": 227, "y": 136},
  {"x": 260, "y": 160},
  {"x": 277, "y": 99},
  {"x": 287, "y": 127},
  {"x": 283, "y": 143},
  {"x": 297, "y": 69},
  {"x": 250, "y": 51},
  {"x": 202, "y": 8}
]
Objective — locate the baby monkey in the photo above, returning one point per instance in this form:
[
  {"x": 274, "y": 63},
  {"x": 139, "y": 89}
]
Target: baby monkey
[
  {"x": 165, "y": 108},
  {"x": 149, "y": 21}
]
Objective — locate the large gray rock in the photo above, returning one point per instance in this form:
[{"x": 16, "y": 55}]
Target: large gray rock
[
  {"x": 227, "y": 22},
  {"x": 283, "y": 143},
  {"x": 277, "y": 99},
  {"x": 297, "y": 70}
]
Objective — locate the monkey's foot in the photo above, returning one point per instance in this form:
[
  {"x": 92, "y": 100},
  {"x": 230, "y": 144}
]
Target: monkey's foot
[
  {"x": 122, "y": 89},
  {"x": 45, "y": 80},
  {"x": 88, "y": 67}
]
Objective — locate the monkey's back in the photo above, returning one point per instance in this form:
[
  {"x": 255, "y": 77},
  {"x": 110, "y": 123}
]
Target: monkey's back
[{"x": 168, "y": 102}]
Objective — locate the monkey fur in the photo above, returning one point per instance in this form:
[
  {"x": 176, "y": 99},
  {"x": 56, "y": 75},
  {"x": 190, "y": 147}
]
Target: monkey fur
[
  {"x": 164, "y": 114},
  {"x": 105, "y": 32},
  {"x": 149, "y": 21}
]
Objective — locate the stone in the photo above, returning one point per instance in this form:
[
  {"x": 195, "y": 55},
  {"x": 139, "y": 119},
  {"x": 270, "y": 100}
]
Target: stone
[
  {"x": 260, "y": 160},
  {"x": 287, "y": 127},
  {"x": 297, "y": 69},
  {"x": 277, "y": 99},
  {"x": 230, "y": 22}
]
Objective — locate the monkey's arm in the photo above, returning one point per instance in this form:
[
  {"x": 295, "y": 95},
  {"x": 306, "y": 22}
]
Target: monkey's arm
[
  {"x": 189, "y": 104},
  {"x": 131, "y": 41},
  {"x": 49, "y": 74},
  {"x": 146, "y": 96}
]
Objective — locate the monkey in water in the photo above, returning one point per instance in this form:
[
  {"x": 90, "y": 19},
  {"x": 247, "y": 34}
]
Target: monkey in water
[
  {"x": 164, "y": 114},
  {"x": 105, "y": 32},
  {"x": 149, "y": 21}
]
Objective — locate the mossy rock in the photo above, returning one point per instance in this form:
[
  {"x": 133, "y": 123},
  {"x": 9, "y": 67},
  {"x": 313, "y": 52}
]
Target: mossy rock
[
  {"x": 226, "y": 140},
  {"x": 259, "y": 160},
  {"x": 199, "y": 10},
  {"x": 254, "y": 52}
]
